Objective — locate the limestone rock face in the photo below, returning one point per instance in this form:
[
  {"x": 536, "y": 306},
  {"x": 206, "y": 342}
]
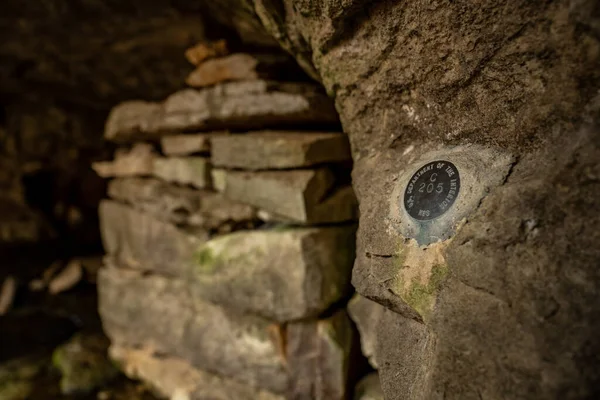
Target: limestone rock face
[
  {"x": 194, "y": 171},
  {"x": 181, "y": 205},
  {"x": 279, "y": 150},
  {"x": 239, "y": 67},
  {"x": 480, "y": 294},
  {"x": 299, "y": 195},
  {"x": 369, "y": 388},
  {"x": 366, "y": 314},
  {"x": 135, "y": 162},
  {"x": 238, "y": 104},
  {"x": 282, "y": 275},
  {"x": 181, "y": 145},
  {"x": 174, "y": 376},
  {"x": 140, "y": 241},
  {"x": 319, "y": 354},
  {"x": 158, "y": 312}
]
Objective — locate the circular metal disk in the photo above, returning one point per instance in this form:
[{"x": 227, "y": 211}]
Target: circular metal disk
[{"x": 432, "y": 190}]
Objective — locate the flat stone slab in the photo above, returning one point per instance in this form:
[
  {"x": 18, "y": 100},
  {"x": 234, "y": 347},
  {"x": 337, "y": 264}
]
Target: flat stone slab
[
  {"x": 173, "y": 377},
  {"x": 282, "y": 274},
  {"x": 139, "y": 240},
  {"x": 183, "y": 145},
  {"x": 194, "y": 171},
  {"x": 235, "y": 105},
  {"x": 138, "y": 161},
  {"x": 304, "y": 196},
  {"x": 279, "y": 149},
  {"x": 182, "y": 205},
  {"x": 148, "y": 310}
]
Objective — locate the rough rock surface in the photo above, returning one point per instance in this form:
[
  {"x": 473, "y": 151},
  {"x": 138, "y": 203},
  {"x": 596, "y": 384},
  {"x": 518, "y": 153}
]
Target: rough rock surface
[
  {"x": 182, "y": 145},
  {"x": 517, "y": 78},
  {"x": 279, "y": 150},
  {"x": 173, "y": 377},
  {"x": 138, "y": 161},
  {"x": 309, "y": 359},
  {"x": 194, "y": 171},
  {"x": 140, "y": 241},
  {"x": 241, "y": 67},
  {"x": 242, "y": 105},
  {"x": 303, "y": 196},
  {"x": 158, "y": 312},
  {"x": 182, "y": 205},
  {"x": 369, "y": 388},
  {"x": 281, "y": 274},
  {"x": 319, "y": 355},
  {"x": 366, "y": 314}
]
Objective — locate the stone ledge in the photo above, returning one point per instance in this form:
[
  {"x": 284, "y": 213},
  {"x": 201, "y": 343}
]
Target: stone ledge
[
  {"x": 282, "y": 275},
  {"x": 303, "y": 196},
  {"x": 239, "y": 105},
  {"x": 182, "y": 205},
  {"x": 279, "y": 149}
]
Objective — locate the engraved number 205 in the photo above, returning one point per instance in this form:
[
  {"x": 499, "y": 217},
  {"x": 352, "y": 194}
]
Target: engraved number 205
[{"x": 439, "y": 188}]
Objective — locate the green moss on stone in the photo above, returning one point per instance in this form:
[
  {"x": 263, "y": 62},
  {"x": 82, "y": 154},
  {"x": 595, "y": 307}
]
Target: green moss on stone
[
  {"x": 205, "y": 260},
  {"x": 422, "y": 297},
  {"x": 83, "y": 365}
]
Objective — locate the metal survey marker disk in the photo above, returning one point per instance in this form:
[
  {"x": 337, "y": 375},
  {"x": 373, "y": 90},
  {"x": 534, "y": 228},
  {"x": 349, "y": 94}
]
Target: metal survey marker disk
[{"x": 432, "y": 190}]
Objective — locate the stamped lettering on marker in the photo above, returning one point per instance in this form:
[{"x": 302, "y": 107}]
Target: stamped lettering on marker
[{"x": 432, "y": 190}]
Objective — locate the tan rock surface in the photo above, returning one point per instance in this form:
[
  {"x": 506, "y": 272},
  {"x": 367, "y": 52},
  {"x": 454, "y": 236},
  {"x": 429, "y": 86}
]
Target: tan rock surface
[
  {"x": 303, "y": 196},
  {"x": 173, "y": 376},
  {"x": 182, "y": 205},
  {"x": 281, "y": 274},
  {"x": 138, "y": 240},
  {"x": 138, "y": 161},
  {"x": 193, "y": 171},
  {"x": 206, "y": 50},
  {"x": 239, "y": 105},
  {"x": 279, "y": 149},
  {"x": 154, "y": 311}
]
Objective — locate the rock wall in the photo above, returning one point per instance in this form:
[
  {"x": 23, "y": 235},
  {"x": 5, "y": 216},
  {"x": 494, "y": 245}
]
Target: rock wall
[
  {"x": 230, "y": 239},
  {"x": 491, "y": 297}
]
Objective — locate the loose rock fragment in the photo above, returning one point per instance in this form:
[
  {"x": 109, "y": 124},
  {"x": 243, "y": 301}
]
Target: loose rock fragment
[
  {"x": 135, "y": 162},
  {"x": 235, "y": 105},
  {"x": 67, "y": 278},
  {"x": 279, "y": 149},
  {"x": 282, "y": 275},
  {"x": 193, "y": 171},
  {"x": 7, "y": 294},
  {"x": 237, "y": 67},
  {"x": 206, "y": 50}
]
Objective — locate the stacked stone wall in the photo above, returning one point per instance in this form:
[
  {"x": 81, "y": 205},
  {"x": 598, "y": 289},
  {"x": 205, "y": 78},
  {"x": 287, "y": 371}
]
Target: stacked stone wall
[{"x": 230, "y": 240}]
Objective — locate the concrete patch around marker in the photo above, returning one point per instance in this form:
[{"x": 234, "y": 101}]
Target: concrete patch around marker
[{"x": 480, "y": 170}]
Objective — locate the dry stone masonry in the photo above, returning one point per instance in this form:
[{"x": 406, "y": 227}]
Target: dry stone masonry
[{"x": 230, "y": 235}]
